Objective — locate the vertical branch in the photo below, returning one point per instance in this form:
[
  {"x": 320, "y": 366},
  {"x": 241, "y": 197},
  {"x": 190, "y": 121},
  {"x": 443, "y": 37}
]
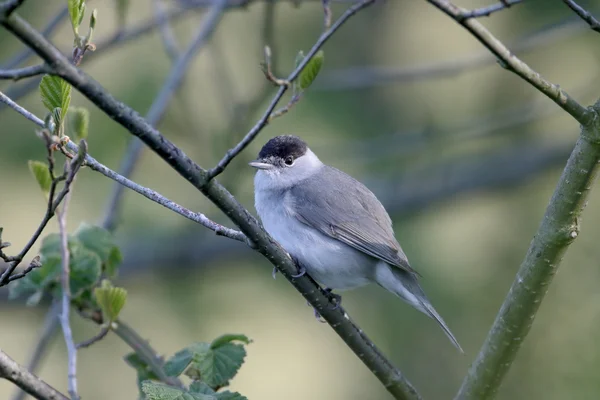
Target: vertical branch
[
  {"x": 559, "y": 227},
  {"x": 71, "y": 168}
]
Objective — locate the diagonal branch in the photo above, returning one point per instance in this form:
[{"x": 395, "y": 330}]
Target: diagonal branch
[
  {"x": 264, "y": 120},
  {"x": 24, "y": 379},
  {"x": 584, "y": 14},
  {"x": 392, "y": 379},
  {"x": 509, "y": 61},
  {"x": 487, "y": 11}
]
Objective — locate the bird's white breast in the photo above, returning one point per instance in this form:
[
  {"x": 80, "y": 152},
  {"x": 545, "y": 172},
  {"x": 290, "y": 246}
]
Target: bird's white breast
[{"x": 329, "y": 261}]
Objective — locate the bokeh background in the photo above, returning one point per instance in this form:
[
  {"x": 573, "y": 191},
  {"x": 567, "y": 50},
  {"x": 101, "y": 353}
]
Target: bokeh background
[{"x": 464, "y": 155}]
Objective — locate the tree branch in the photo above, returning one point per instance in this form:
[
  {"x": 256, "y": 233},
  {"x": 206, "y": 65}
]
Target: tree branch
[
  {"x": 24, "y": 379},
  {"x": 584, "y": 14},
  {"x": 264, "y": 120},
  {"x": 559, "y": 227},
  {"x": 25, "y": 72},
  {"x": 487, "y": 11},
  {"x": 361, "y": 345},
  {"x": 509, "y": 61}
]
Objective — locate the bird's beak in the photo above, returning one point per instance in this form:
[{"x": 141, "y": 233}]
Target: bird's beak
[{"x": 260, "y": 165}]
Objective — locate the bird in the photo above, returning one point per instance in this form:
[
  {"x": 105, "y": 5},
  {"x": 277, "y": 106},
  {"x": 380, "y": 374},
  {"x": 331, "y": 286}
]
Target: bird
[{"x": 332, "y": 226}]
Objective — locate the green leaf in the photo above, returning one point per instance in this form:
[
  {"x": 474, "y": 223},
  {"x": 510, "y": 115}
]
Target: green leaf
[
  {"x": 55, "y": 93},
  {"x": 160, "y": 391},
  {"x": 80, "y": 122},
  {"x": 35, "y": 283},
  {"x": 41, "y": 174},
  {"x": 179, "y": 362},
  {"x": 310, "y": 72},
  {"x": 229, "y": 337},
  {"x": 216, "y": 365},
  {"x": 198, "y": 387},
  {"x": 101, "y": 242},
  {"x": 110, "y": 299},
  {"x": 97, "y": 239},
  {"x": 86, "y": 268},
  {"x": 76, "y": 11}
]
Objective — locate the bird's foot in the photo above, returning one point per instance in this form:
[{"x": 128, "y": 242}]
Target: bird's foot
[
  {"x": 301, "y": 271},
  {"x": 336, "y": 299},
  {"x": 318, "y": 315},
  {"x": 274, "y": 273}
]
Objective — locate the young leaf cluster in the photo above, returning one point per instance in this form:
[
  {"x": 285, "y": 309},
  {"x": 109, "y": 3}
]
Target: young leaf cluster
[
  {"x": 92, "y": 253},
  {"x": 211, "y": 366}
]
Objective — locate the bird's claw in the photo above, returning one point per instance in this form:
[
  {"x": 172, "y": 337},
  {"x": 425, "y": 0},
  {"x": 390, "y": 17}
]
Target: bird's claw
[
  {"x": 335, "y": 298},
  {"x": 274, "y": 273},
  {"x": 301, "y": 271}
]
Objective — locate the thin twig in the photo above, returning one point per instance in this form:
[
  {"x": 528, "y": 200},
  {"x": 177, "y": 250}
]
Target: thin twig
[
  {"x": 487, "y": 11},
  {"x": 150, "y": 194},
  {"x": 96, "y": 338},
  {"x": 46, "y": 337},
  {"x": 584, "y": 14},
  {"x": 509, "y": 61},
  {"x": 25, "y": 72},
  {"x": 27, "y": 381},
  {"x": 9, "y": 6},
  {"x": 73, "y": 167},
  {"x": 264, "y": 120},
  {"x": 166, "y": 33},
  {"x": 159, "y": 106}
]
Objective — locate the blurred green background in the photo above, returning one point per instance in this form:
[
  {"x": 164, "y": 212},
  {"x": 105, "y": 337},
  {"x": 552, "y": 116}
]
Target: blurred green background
[{"x": 464, "y": 157}]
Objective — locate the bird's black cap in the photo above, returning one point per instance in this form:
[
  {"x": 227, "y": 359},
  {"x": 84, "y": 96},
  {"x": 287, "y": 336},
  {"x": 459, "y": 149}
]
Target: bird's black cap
[{"x": 282, "y": 147}]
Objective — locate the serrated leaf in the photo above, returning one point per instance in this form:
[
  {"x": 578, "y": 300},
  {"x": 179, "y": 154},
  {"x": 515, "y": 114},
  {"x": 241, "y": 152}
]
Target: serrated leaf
[
  {"x": 215, "y": 366},
  {"x": 79, "y": 118},
  {"x": 76, "y": 12},
  {"x": 86, "y": 268},
  {"x": 110, "y": 299},
  {"x": 311, "y": 70},
  {"x": 229, "y": 337},
  {"x": 160, "y": 391},
  {"x": 40, "y": 172},
  {"x": 178, "y": 363},
  {"x": 55, "y": 93}
]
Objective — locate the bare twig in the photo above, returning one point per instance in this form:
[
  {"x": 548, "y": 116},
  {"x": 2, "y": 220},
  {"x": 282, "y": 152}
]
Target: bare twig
[
  {"x": 327, "y": 13},
  {"x": 158, "y": 107},
  {"x": 27, "y": 381},
  {"x": 509, "y": 61},
  {"x": 96, "y": 338},
  {"x": 166, "y": 33},
  {"x": 25, "y": 72},
  {"x": 487, "y": 11},
  {"x": 73, "y": 167},
  {"x": 46, "y": 337},
  {"x": 584, "y": 14},
  {"x": 264, "y": 120},
  {"x": 9, "y": 6},
  {"x": 150, "y": 194}
]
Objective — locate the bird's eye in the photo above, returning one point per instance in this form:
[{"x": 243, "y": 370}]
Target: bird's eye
[{"x": 289, "y": 160}]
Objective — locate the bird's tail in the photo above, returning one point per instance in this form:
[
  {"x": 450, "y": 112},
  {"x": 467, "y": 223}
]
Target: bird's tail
[{"x": 405, "y": 285}]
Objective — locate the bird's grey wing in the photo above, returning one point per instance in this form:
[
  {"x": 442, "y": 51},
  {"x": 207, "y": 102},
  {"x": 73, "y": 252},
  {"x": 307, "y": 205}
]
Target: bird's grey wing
[{"x": 339, "y": 206}]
